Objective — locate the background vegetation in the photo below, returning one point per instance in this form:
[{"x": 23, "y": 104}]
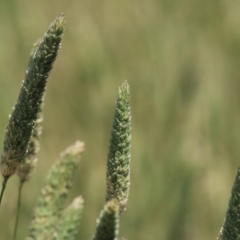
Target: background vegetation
[{"x": 182, "y": 61}]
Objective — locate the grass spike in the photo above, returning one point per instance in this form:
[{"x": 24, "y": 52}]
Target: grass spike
[
  {"x": 70, "y": 220},
  {"x": 231, "y": 228},
  {"x": 26, "y": 167},
  {"x": 118, "y": 161},
  {"x": 108, "y": 222},
  {"x": 54, "y": 193},
  {"x": 24, "y": 115}
]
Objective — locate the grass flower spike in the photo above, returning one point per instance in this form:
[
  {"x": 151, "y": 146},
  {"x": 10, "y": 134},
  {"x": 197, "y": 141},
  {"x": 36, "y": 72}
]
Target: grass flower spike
[
  {"x": 70, "y": 220},
  {"x": 231, "y": 227},
  {"x": 24, "y": 115},
  {"x": 54, "y": 193},
  {"x": 108, "y": 222},
  {"x": 27, "y": 166},
  {"x": 118, "y": 162}
]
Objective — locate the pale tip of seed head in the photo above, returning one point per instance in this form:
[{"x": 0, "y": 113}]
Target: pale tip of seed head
[{"x": 75, "y": 149}]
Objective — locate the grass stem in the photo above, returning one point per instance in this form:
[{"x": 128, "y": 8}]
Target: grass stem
[
  {"x": 18, "y": 209},
  {"x": 4, "y": 183}
]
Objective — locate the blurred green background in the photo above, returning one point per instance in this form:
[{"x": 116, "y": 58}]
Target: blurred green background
[{"x": 182, "y": 61}]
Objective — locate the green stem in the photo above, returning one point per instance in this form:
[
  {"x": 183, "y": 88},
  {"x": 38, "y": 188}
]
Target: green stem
[
  {"x": 18, "y": 209},
  {"x": 4, "y": 183}
]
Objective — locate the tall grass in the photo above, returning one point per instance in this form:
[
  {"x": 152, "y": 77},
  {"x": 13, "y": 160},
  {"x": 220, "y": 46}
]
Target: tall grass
[{"x": 182, "y": 60}]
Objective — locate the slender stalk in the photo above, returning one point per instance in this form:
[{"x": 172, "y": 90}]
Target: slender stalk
[
  {"x": 4, "y": 183},
  {"x": 18, "y": 209}
]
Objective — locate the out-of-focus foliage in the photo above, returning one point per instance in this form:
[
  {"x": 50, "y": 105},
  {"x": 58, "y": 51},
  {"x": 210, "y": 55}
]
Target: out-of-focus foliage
[{"x": 182, "y": 61}]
